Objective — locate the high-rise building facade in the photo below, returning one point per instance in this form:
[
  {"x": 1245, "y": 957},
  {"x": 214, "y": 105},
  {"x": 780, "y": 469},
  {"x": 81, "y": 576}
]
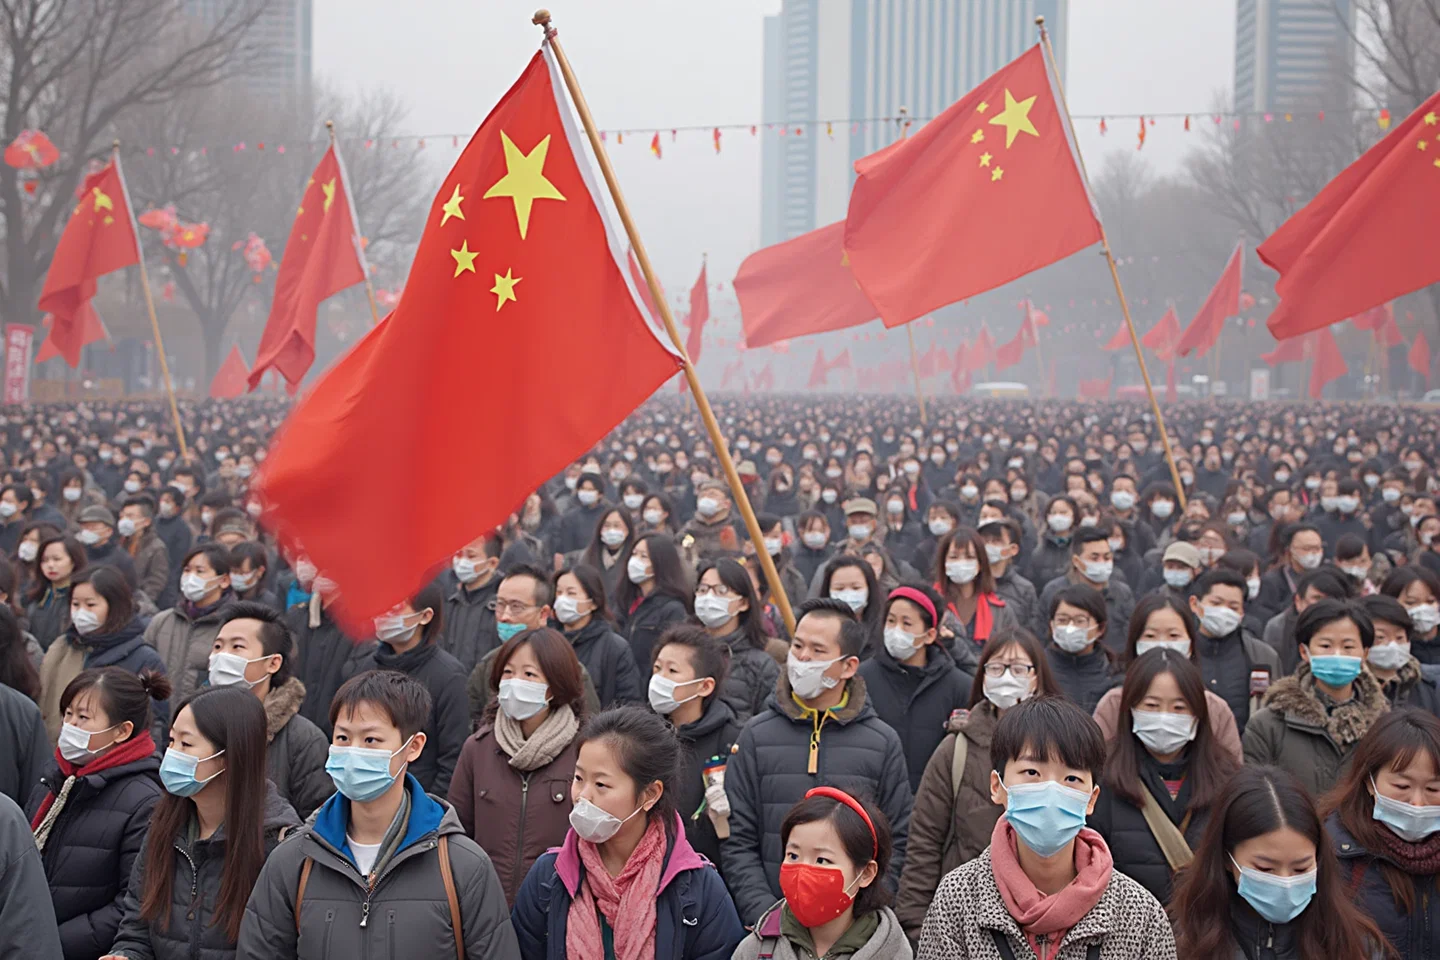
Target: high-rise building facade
[
  {"x": 279, "y": 49},
  {"x": 859, "y": 61},
  {"x": 1287, "y": 52}
]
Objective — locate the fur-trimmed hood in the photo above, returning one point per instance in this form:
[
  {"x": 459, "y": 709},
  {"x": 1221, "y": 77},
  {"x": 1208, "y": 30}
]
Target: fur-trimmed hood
[
  {"x": 1295, "y": 696},
  {"x": 282, "y": 703}
]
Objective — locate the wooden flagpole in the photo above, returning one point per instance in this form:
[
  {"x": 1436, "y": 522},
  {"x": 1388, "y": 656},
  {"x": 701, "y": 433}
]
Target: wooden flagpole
[
  {"x": 1114, "y": 272},
  {"x": 355, "y": 215},
  {"x": 150, "y": 306},
  {"x": 702, "y": 402}
]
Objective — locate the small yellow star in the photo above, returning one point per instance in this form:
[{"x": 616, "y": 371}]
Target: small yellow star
[
  {"x": 1422, "y": 145},
  {"x": 299, "y": 212},
  {"x": 984, "y": 159},
  {"x": 1015, "y": 118},
  {"x": 996, "y": 174},
  {"x": 108, "y": 220},
  {"x": 504, "y": 289},
  {"x": 977, "y": 136},
  {"x": 1437, "y": 161},
  {"x": 452, "y": 207},
  {"x": 329, "y": 190},
  {"x": 1431, "y": 119},
  {"x": 983, "y": 107},
  {"x": 464, "y": 258}
]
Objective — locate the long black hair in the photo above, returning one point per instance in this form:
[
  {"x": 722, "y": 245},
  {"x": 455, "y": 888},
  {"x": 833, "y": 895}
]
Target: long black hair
[
  {"x": 665, "y": 566},
  {"x": 733, "y": 575}
]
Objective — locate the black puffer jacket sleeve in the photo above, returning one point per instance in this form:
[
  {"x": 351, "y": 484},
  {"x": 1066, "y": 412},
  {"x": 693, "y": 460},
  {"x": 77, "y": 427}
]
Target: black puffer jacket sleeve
[
  {"x": 90, "y": 934},
  {"x": 740, "y": 852},
  {"x": 27, "y": 919},
  {"x": 311, "y": 786}
]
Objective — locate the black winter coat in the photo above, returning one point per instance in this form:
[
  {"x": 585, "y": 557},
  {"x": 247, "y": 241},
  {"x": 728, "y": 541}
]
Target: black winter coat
[
  {"x": 324, "y": 659},
  {"x": 612, "y": 667},
  {"x": 916, "y": 701},
  {"x": 114, "y": 555},
  {"x": 711, "y": 736},
  {"x": 178, "y": 538},
  {"x": 751, "y": 681},
  {"x": 1414, "y": 935},
  {"x": 1049, "y": 559},
  {"x": 27, "y": 920},
  {"x": 1083, "y": 677},
  {"x": 92, "y": 847},
  {"x": 772, "y": 768},
  {"x": 644, "y": 625},
  {"x": 470, "y": 623},
  {"x": 126, "y": 648},
  {"x": 1136, "y": 852},
  {"x": 49, "y": 616},
  {"x": 26, "y": 748},
  {"x": 577, "y": 528},
  {"x": 199, "y": 865},
  {"x": 449, "y": 722},
  {"x": 1417, "y": 685}
]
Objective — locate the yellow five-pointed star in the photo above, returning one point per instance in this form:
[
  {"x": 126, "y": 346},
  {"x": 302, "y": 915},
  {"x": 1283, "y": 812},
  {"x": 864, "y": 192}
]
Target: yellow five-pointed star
[
  {"x": 464, "y": 259},
  {"x": 1431, "y": 119},
  {"x": 1015, "y": 118},
  {"x": 504, "y": 289},
  {"x": 329, "y": 190},
  {"x": 1422, "y": 145},
  {"x": 983, "y": 107},
  {"x": 102, "y": 200},
  {"x": 977, "y": 136},
  {"x": 984, "y": 159},
  {"x": 452, "y": 207},
  {"x": 996, "y": 174},
  {"x": 524, "y": 180}
]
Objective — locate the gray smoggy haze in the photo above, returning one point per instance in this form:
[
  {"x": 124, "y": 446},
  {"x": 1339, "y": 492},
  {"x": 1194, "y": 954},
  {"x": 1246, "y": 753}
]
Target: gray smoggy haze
[{"x": 660, "y": 63}]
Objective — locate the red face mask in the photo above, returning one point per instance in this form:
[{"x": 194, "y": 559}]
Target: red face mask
[{"x": 816, "y": 895}]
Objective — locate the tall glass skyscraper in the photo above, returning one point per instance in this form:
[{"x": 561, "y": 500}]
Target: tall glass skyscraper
[
  {"x": 280, "y": 40},
  {"x": 864, "y": 59},
  {"x": 1286, "y": 52}
]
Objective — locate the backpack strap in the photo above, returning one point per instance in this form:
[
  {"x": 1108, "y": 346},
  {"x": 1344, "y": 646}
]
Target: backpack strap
[
  {"x": 448, "y": 878},
  {"x": 957, "y": 763},
  {"x": 300, "y": 890}
]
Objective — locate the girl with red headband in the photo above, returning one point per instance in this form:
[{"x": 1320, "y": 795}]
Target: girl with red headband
[{"x": 837, "y": 852}]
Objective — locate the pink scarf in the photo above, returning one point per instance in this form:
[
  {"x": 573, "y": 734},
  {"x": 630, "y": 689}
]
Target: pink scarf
[
  {"x": 1049, "y": 916},
  {"x": 631, "y": 895}
]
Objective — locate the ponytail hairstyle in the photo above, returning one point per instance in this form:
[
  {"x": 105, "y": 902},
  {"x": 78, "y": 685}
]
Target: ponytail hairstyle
[
  {"x": 1260, "y": 800},
  {"x": 121, "y": 694},
  {"x": 233, "y": 720}
]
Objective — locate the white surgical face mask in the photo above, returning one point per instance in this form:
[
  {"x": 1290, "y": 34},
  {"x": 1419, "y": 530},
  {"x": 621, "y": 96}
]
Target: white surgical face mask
[
  {"x": 587, "y": 498},
  {"x": 1098, "y": 571},
  {"x": 229, "y": 668},
  {"x": 567, "y": 610},
  {"x": 653, "y": 517},
  {"x": 939, "y": 528},
  {"x": 84, "y": 622},
  {"x": 994, "y": 554},
  {"x": 194, "y": 587},
  {"x": 814, "y": 539},
  {"x": 712, "y": 611},
  {"x": 1007, "y": 689},
  {"x": 74, "y": 743},
  {"x": 88, "y": 537},
  {"x": 1163, "y": 733},
  {"x": 773, "y": 545},
  {"x": 522, "y": 699},
  {"x": 1252, "y": 586},
  {"x": 28, "y": 551},
  {"x": 899, "y": 644},
  {"x": 962, "y": 571},
  {"x": 1059, "y": 522},
  {"x": 72, "y": 494},
  {"x": 612, "y": 537},
  {"x": 859, "y": 531},
  {"x": 1071, "y": 639},
  {"x": 855, "y": 598},
  {"x": 707, "y": 506},
  {"x": 662, "y": 694},
  {"x": 1389, "y": 656},
  {"x": 637, "y": 570},
  {"x": 594, "y": 824},
  {"x": 1426, "y": 616},
  {"x": 1181, "y": 647},
  {"x": 807, "y": 677},
  {"x": 1219, "y": 621}
]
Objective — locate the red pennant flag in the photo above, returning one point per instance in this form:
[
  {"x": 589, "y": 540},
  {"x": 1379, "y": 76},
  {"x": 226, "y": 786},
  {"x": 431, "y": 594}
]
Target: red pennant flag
[
  {"x": 1288, "y": 351},
  {"x": 232, "y": 377},
  {"x": 927, "y": 363},
  {"x": 1367, "y": 237},
  {"x": 981, "y": 352},
  {"x": 1120, "y": 340},
  {"x": 800, "y": 286},
  {"x": 1223, "y": 302},
  {"x": 699, "y": 314},
  {"x": 1327, "y": 363},
  {"x": 1161, "y": 338},
  {"x": 986, "y": 192},
  {"x": 655, "y": 145},
  {"x": 322, "y": 257},
  {"x": 529, "y": 279},
  {"x": 841, "y": 362},
  {"x": 1419, "y": 356},
  {"x": 1374, "y": 318},
  {"x": 1010, "y": 352},
  {"x": 818, "y": 371},
  {"x": 99, "y": 238}
]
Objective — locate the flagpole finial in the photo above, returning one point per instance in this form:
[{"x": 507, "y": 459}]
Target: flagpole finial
[
  {"x": 330, "y": 128},
  {"x": 541, "y": 18},
  {"x": 1040, "y": 20}
]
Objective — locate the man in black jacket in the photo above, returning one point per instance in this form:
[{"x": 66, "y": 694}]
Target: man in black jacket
[
  {"x": 818, "y": 730},
  {"x": 325, "y": 655},
  {"x": 1235, "y": 666},
  {"x": 27, "y": 748},
  {"x": 470, "y": 600},
  {"x": 578, "y": 526},
  {"x": 27, "y": 917}
]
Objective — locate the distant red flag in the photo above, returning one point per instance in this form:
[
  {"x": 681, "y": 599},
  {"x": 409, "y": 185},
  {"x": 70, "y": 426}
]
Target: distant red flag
[
  {"x": 1009, "y": 353},
  {"x": 1095, "y": 389},
  {"x": 1419, "y": 356},
  {"x": 385, "y": 456},
  {"x": 927, "y": 363},
  {"x": 1120, "y": 340},
  {"x": 765, "y": 379},
  {"x": 699, "y": 314},
  {"x": 1292, "y": 350},
  {"x": 1326, "y": 364},
  {"x": 818, "y": 371},
  {"x": 1162, "y": 337},
  {"x": 99, "y": 238},
  {"x": 1374, "y": 318},
  {"x": 1389, "y": 334},
  {"x": 986, "y": 192},
  {"x": 322, "y": 257},
  {"x": 841, "y": 362},
  {"x": 1367, "y": 237},
  {"x": 1223, "y": 302},
  {"x": 230, "y": 380},
  {"x": 800, "y": 286},
  {"x": 981, "y": 352}
]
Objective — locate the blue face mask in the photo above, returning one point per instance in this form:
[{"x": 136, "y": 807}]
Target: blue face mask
[
  {"x": 1405, "y": 820},
  {"x": 177, "y": 773},
  {"x": 362, "y": 774},
  {"x": 1334, "y": 670},
  {"x": 1046, "y": 815},
  {"x": 508, "y": 631},
  {"x": 1277, "y": 899}
]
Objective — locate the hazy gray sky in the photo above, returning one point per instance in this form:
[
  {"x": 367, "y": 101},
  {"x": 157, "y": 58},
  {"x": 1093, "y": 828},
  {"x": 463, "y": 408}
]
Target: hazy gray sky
[{"x": 660, "y": 63}]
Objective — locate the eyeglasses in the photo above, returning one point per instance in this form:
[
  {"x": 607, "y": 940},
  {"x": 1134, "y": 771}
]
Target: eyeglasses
[
  {"x": 997, "y": 668},
  {"x": 1084, "y": 623},
  {"x": 514, "y": 608},
  {"x": 718, "y": 590}
]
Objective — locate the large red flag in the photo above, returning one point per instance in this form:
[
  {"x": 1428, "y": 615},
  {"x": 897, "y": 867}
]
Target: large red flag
[
  {"x": 230, "y": 380},
  {"x": 699, "y": 313},
  {"x": 393, "y": 423},
  {"x": 1161, "y": 338},
  {"x": 1419, "y": 356},
  {"x": 99, "y": 238},
  {"x": 1223, "y": 302},
  {"x": 1326, "y": 363},
  {"x": 1367, "y": 237},
  {"x": 637, "y": 278},
  {"x": 800, "y": 286},
  {"x": 322, "y": 257},
  {"x": 986, "y": 192},
  {"x": 91, "y": 326}
]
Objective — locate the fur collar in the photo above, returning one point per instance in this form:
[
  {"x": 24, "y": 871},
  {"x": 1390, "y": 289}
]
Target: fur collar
[
  {"x": 1295, "y": 696},
  {"x": 282, "y": 703}
]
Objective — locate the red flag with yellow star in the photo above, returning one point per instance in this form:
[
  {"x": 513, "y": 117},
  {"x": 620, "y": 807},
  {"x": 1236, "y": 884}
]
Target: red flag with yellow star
[
  {"x": 322, "y": 257},
  {"x": 517, "y": 344},
  {"x": 100, "y": 237},
  {"x": 1367, "y": 237},
  {"x": 986, "y": 192}
]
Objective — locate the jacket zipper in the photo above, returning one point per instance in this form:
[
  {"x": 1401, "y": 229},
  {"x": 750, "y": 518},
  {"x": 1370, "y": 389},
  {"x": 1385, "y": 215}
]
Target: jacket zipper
[
  {"x": 516, "y": 876},
  {"x": 365, "y": 908}
]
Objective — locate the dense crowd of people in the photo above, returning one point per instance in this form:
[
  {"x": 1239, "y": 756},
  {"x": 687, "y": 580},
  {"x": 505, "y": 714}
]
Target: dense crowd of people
[{"x": 1038, "y": 700}]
